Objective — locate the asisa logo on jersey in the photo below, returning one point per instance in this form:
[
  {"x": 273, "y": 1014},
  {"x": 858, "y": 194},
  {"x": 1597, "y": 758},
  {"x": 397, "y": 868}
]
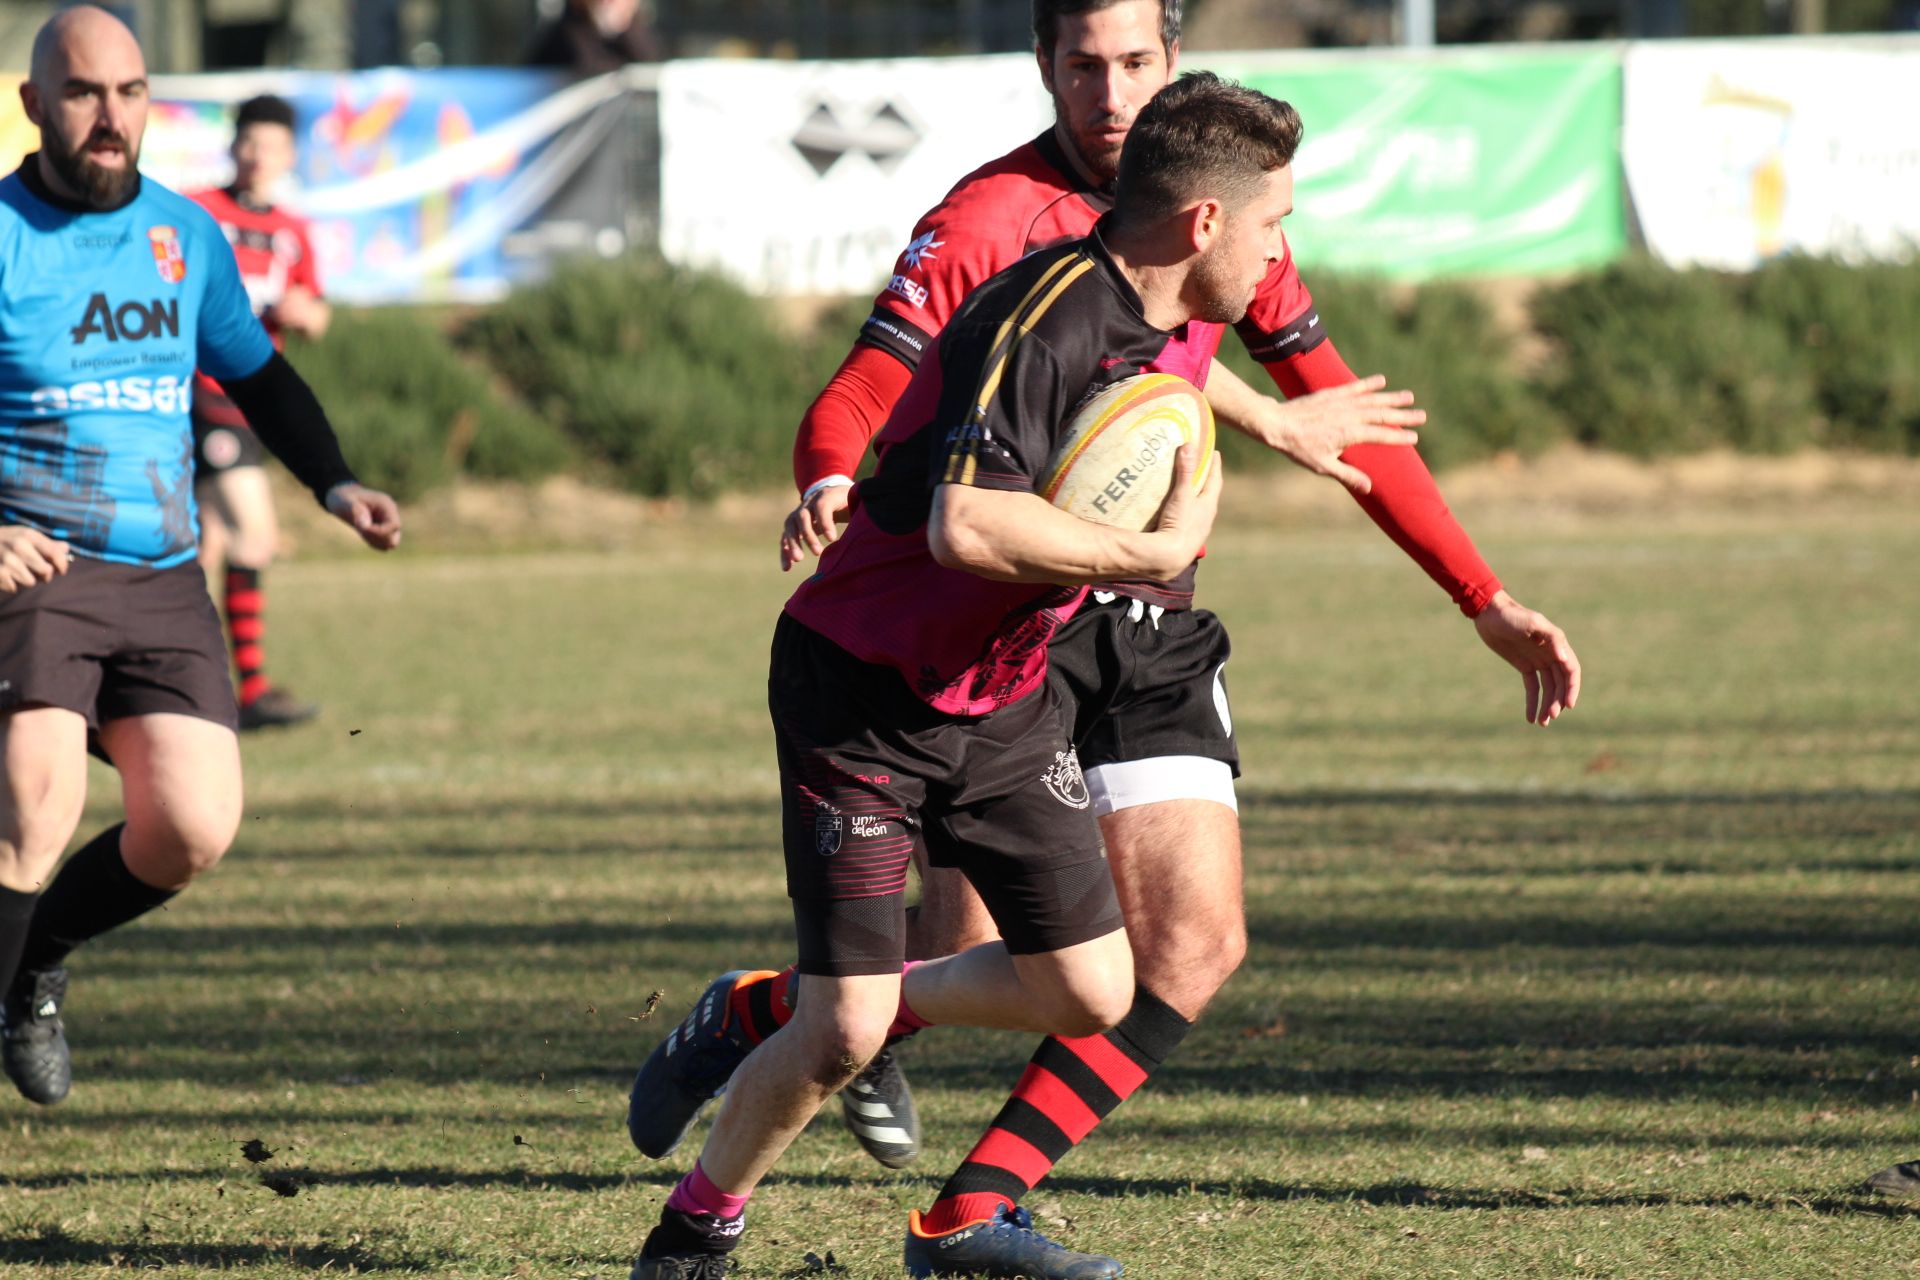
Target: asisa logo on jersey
[
  {"x": 914, "y": 293},
  {"x": 168, "y": 256},
  {"x": 129, "y": 321}
]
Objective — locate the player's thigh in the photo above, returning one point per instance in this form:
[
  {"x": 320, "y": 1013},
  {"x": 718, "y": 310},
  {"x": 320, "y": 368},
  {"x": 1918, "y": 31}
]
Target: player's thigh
[
  {"x": 180, "y": 782},
  {"x": 44, "y": 750},
  {"x": 1177, "y": 869},
  {"x": 247, "y": 499},
  {"x": 950, "y": 918}
]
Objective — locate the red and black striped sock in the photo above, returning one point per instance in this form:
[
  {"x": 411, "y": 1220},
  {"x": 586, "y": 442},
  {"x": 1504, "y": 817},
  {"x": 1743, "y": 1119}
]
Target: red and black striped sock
[
  {"x": 760, "y": 1004},
  {"x": 1070, "y": 1086},
  {"x": 246, "y": 625}
]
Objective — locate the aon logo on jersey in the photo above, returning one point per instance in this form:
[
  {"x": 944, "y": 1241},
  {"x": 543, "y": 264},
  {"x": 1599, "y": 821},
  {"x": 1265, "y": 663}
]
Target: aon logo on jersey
[{"x": 164, "y": 394}]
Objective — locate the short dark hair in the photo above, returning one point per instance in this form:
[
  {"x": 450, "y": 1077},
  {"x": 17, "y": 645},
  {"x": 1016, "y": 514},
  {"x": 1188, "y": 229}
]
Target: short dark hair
[
  {"x": 265, "y": 109},
  {"x": 1047, "y": 15},
  {"x": 1202, "y": 136}
]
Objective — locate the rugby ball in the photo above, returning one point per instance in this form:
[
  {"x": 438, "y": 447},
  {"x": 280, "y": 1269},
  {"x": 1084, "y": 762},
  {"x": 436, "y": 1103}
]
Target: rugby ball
[{"x": 1115, "y": 462}]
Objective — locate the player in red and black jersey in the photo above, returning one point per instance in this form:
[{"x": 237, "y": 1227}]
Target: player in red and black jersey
[
  {"x": 239, "y": 532},
  {"x": 911, "y": 707}
]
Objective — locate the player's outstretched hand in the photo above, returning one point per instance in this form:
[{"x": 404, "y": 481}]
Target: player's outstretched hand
[
  {"x": 28, "y": 556},
  {"x": 1538, "y": 650},
  {"x": 1186, "y": 517},
  {"x": 1313, "y": 430},
  {"x": 813, "y": 524},
  {"x": 368, "y": 512}
]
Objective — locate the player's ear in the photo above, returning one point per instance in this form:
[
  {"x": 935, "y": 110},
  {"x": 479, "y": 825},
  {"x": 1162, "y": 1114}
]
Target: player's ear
[
  {"x": 1173, "y": 61},
  {"x": 1204, "y": 223},
  {"x": 1039, "y": 55},
  {"x": 30, "y": 102}
]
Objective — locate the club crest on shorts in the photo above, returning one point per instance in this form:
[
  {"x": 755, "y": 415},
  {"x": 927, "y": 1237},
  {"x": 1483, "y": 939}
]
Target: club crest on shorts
[
  {"x": 828, "y": 830},
  {"x": 1065, "y": 780},
  {"x": 168, "y": 257}
]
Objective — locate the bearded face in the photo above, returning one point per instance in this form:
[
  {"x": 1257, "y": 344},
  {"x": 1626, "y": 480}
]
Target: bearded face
[{"x": 100, "y": 186}]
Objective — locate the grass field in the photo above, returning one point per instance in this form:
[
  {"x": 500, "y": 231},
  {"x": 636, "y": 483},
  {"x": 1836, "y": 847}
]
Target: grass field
[{"x": 1632, "y": 997}]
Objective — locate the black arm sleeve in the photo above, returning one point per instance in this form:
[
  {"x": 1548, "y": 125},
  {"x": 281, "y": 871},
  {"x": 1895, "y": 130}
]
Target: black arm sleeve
[{"x": 283, "y": 411}]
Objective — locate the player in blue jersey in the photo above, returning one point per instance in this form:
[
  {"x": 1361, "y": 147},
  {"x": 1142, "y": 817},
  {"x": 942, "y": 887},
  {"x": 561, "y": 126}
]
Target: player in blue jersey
[{"x": 112, "y": 291}]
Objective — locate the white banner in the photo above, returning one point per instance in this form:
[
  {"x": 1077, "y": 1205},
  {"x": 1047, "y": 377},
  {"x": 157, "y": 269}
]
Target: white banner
[
  {"x": 1739, "y": 150},
  {"x": 807, "y": 178}
]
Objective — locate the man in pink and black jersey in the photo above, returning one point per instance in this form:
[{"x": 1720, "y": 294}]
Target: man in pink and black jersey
[
  {"x": 911, "y": 706},
  {"x": 239, "y": 534},
  {"x": 1143, "y": 671}
]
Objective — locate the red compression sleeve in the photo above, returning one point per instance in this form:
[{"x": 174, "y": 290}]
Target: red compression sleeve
[
  {"x": 848, "y": 412},
  {"x": 1405, "y": 501}
]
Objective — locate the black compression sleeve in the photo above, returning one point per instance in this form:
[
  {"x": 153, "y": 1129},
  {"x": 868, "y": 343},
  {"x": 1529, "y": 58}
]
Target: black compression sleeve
[{"x": 283, "y": 411}]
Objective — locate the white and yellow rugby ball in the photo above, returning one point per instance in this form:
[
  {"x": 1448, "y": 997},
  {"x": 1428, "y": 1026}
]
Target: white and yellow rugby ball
[{"x": 1116, "y": 463}]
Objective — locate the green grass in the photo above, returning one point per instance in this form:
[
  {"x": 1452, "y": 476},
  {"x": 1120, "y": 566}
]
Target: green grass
[{"x": 1631, "y": 997}]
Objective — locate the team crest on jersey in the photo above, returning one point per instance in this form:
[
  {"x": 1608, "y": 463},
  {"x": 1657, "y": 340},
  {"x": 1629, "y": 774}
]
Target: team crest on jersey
[
  {"x": 828, "y": 829},
  {"x": 1065, "y": 780},
  {"x": 168, "y": 257}
]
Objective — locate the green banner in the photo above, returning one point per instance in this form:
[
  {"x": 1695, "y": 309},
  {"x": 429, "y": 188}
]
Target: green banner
[{"x": 1478, "y": 164}]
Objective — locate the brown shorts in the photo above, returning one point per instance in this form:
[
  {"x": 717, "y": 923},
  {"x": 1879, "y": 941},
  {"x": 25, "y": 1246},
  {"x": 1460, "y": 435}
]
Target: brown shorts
[
  {"x": 116, "y": 640},
  {"x": 868, "y": 773}
]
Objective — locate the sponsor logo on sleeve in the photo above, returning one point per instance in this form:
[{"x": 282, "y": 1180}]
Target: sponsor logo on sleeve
[
  {"x": 920, "y": 249},
  {"x": 914, "y": 293}
]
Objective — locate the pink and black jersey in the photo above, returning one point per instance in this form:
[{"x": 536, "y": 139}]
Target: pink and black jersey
[
  {"x": 275, "y": 252},
  {"x": 987, "y": 407}
]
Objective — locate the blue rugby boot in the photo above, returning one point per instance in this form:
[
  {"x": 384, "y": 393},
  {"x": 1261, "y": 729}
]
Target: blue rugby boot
[
  {"x": 1004, "y": 1245},
  {"x": 687, "y": 1070}
]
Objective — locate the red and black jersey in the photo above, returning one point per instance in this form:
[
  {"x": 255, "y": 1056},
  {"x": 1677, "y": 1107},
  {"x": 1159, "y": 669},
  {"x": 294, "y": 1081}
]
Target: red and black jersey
[
  {"x": 275, "y": 251},
  {"x": 987, "y": 410},
  {"x": 1033, "y": 198}
]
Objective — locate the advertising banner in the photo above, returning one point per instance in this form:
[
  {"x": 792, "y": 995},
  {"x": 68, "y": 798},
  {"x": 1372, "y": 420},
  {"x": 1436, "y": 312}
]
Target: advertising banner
[
  {"x": 425, "y": 185},
  {"x": 1484, "y": 163},
  {"x": 807, "y": 178},
  {"x": 1739, "y": 150}
]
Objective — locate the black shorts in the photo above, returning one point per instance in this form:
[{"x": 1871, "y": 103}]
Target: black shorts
[
  {"x": 1142, "y": 685},
  {"x": 869, "y": 773},
  {"x": 116, "y": 640},
  {"x": 220, "y": 446}
]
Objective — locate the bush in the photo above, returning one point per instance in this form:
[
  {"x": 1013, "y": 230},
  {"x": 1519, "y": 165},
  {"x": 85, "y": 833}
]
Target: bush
[
  {"x": 1441, "y": 343},
  {"x": 1853, "y": 330},
  {"x": 411, "y": 414},
  {"x": 679, "y": 380},
  {"x": 1652, "y": 361}
]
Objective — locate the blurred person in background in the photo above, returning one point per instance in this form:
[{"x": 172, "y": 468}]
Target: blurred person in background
[
  {"x": 592, "y": 37},
  {"x": 239, "y": 534}
]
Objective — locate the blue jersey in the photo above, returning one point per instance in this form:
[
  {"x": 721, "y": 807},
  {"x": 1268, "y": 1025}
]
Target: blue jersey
[{"x": 103, "y": 318}]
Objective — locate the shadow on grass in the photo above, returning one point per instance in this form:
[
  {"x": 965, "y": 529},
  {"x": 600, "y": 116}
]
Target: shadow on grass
[{"x": 52, "y": 1248}]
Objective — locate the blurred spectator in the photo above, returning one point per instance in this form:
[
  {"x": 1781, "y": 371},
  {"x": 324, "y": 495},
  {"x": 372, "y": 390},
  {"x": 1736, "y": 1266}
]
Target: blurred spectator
[{"x": 595, "y": 36}]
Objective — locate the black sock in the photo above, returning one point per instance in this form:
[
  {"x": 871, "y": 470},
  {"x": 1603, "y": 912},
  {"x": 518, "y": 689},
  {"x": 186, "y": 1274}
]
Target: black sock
[
  {"x": 93, "y": 892},
  {"x": 16, "y": 911},
  {"x": 680, "y": 1234}
]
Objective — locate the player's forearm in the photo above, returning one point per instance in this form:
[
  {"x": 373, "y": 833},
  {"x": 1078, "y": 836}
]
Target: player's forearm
[
  {"x": 1237, "y": 405},
  {"x": 1405, "y": 501},
  {"x": 1010, "y": 536},
  {"x": 848, "y": 412},
  {"x": 283, "y": 411}
]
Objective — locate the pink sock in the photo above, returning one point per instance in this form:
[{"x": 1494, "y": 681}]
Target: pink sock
[
  {"x": 905, "y": 1020},
  {"x": 697, "y": 1194}
]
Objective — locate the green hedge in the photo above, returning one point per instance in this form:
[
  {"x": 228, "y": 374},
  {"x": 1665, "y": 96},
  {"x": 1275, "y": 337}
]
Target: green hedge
[
  {"x": 412, "y": 413},
  {"x": 674, "y": 382}
]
